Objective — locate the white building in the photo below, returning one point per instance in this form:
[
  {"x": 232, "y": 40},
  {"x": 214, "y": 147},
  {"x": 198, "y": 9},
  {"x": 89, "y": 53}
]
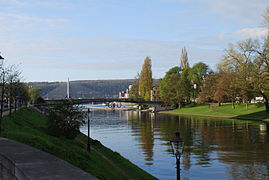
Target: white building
[{"x": 125, "y": 94}]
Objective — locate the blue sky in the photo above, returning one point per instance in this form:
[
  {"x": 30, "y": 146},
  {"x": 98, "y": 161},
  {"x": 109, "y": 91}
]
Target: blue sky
[{"x": 52, "y": 40}]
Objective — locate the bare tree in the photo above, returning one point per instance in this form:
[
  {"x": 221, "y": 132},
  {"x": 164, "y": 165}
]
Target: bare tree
[{"x": 13, "y": 77}]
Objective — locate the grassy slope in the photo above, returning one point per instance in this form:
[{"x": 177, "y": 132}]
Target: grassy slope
[
  {"x": 29, "y": 127},
  {"x": 255, "y": 111}
]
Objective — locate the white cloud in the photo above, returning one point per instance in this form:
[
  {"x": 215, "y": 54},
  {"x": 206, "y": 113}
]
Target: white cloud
[
  {"x": 252, "y": 32},
  {"x": 20, "y": 19},
  {"x": 37, "y": 3},
  {"x": 26, "y": 39},
  {"x": 239, "y": 12},
  {"x": 94, "y": 56},
  {"x": 14, "y": 25}
]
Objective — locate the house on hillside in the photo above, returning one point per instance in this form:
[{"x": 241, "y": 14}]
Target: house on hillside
[
  {"x": 155, "y": 93},
  {"x": 125, "y": 94}
]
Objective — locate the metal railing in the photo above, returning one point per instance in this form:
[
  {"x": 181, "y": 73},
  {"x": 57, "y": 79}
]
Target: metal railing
[{"x": 9, "y": 171}]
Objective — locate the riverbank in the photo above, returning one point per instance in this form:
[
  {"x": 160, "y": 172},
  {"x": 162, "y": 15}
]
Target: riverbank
[
  {"x": 254, "y": 111},
  {"x": 29, "y": 127}
]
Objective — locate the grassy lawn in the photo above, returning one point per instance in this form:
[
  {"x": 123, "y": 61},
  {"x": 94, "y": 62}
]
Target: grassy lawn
[
  {"x": 254, "y": 111},
  {"x": 29, "y": 127}
]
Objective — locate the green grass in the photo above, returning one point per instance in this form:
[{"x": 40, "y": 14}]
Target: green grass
[
  {"x": 254, "y": 111},
  {"x": 30, "y": 127}
]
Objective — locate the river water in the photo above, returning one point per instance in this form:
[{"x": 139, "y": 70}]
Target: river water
[{"x": 214, "y": 148}]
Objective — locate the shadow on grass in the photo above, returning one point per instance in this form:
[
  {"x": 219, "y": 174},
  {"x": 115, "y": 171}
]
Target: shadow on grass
[
  {"x": 260, "y": 115},
  {"x": 259, "y": 105}
]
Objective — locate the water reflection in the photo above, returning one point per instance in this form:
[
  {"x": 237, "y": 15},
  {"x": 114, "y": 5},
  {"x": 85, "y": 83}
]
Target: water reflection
[{"x": 215, "y": 148}]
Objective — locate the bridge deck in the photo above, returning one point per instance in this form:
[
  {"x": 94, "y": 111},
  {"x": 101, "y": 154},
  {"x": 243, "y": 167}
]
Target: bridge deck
[{"x": 104, "y": 100}]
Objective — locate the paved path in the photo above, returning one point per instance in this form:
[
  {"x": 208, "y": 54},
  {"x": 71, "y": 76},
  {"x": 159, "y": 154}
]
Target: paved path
[{"x": 39, "y": 165}]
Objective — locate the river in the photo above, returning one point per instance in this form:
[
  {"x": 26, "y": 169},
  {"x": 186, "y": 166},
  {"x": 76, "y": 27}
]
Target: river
[{"x": 214, "y": 148}]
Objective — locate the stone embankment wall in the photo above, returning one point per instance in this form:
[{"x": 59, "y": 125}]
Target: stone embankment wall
[{"x": 9, "y": 171}]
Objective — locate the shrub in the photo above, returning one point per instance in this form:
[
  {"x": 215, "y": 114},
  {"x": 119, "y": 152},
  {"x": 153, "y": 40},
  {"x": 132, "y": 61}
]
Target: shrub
[
  {"x": 40, "y": 100},
  {"x": 65, "y": 120}
]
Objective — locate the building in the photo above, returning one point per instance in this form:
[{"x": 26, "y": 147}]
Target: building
[
  {"x": 125, "y": 94},
  {"x": 257, "y": 100},
  {"x": 155, "y": 94}
]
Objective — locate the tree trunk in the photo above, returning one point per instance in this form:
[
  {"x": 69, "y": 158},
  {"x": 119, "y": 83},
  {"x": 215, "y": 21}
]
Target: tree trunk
[
  {"x": 266, "y": 102},
  {"x": 15, "y": 104},
  {"x": 10, "y": 99},
  {"x": 10, "y": 107},
  {"x": 2, "y": 100},
  {"x": 179, "y": 106},
  {"x": 233, "y": 104}
]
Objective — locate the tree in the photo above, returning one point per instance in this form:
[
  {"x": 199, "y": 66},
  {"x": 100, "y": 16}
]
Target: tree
[
  {"x": 24, "y": 93},
  {"x": 208, "y": 89},
  {"x": 65, "y": 120},
  {"x": 249, "y": 59},
  {"x": 198, "y": 73},
  {"x": 13, "y": 80},
  {"x": 239, "y": 59},
  {"x": 3, "y": 88},
  {"x": 134, "y": 91},
  {"x": 261, "y": 70},
  {"x": 169, "y": 90},
  {"x": 219, "y": 87},
  {"x": 34, "y": 94},
  {"x": 185, "y": 85},
  {"x": 261, "y": 64},
  {"x": 10, "y": 78},
  {"x": 184, "y": 63},
  {"x": 222, "y": 87},
  {"x": 21, "y": 94},
  {"x": 175, "y": 87},
  {"x": 164, "y": 82},
  {"x": 145, "y": 81},
  {"x": 233, "y": 90}
]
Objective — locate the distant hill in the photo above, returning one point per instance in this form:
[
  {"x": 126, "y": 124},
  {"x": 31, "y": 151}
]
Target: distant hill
[{"x": 83, "y": 89}]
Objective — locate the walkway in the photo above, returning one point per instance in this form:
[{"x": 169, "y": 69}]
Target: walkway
[{"x": 37, "y": 165}]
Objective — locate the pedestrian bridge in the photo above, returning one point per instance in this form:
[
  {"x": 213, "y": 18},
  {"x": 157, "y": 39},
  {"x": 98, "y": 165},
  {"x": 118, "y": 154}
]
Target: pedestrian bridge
[
  {"x": 155, "y": 105},
  {"x": 104, "y": 100}
]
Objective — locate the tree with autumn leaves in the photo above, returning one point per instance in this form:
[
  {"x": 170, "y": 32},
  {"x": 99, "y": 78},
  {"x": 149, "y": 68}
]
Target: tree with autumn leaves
[
  {"x": 242, "y": 75},
  {"x": 142, "y": 87},
  {"x": 145, "y": 80}
]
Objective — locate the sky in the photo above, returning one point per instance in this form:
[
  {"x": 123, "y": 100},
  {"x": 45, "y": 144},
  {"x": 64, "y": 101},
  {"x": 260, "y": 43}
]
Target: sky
[{"x": 51, "y": 40}]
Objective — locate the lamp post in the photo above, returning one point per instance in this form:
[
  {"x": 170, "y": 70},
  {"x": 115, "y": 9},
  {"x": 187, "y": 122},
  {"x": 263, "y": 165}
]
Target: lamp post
[
  {"x": 2, "y": 92},
  {"x": 177, "y": 145}
]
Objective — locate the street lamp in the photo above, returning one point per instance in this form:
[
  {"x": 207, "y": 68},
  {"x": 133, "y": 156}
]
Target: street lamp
[{"x": 177, "y": 145}]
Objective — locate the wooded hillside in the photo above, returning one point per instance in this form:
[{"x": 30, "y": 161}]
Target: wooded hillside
[{"x": 83, "y": 89}]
